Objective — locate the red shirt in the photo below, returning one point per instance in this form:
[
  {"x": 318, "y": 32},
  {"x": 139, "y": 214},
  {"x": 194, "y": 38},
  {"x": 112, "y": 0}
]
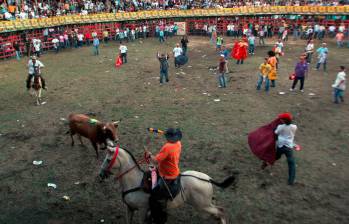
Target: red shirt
[{"x": 168, "y": 159}]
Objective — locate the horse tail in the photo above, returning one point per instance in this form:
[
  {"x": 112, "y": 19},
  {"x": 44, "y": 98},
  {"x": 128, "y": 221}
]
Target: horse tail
[{"x": 225, "y": 183}]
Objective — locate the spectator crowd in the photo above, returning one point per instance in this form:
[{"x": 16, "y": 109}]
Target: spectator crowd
[{"x": 24, "y": 9}]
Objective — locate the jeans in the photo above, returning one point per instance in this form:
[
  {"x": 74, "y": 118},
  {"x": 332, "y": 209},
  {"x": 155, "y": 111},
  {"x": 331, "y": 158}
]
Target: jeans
[
  {"x": 339, "y": 44},
  {"x": 96, "y": 50},
  {"x": 290, "y": 161},
  {"x": 18, "y": 55},
  {"x": 163, "y": 75},
  {"x": 295, "y": 81},
  {"x": 251, "y": 48},
  {"x": 161, "y": 39},
  {"x": 222, "y": 80},
  {"x": 319, "y": 64},
  {"x": 308, "y": 57},
  {"x": 338, "y": 94},
  {"x": 124, "y": 58},
  {"x": 260, "y": 81},
  {"x": 261, "y": 41}
]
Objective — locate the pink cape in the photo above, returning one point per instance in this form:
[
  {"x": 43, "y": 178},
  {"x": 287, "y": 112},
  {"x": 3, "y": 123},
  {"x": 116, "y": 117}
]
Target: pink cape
[{"x": 262, "y": 142}]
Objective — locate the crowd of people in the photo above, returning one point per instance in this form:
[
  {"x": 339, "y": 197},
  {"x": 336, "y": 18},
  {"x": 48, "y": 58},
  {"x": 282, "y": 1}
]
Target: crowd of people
[{"x": 12, "y": 9}]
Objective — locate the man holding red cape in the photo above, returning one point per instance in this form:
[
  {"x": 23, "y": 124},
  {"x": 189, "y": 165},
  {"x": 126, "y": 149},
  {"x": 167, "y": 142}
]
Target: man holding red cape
[
  {"x": 239, "y": 51},
  {"x": 273, "y": 140}
]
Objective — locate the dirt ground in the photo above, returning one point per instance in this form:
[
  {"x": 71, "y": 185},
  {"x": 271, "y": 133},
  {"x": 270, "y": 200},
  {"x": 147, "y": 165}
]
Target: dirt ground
[{"x": 214, "y": 142}]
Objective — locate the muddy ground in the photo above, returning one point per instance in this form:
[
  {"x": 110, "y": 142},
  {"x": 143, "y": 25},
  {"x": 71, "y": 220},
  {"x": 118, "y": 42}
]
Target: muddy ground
[{"x": 214, "y": 142}]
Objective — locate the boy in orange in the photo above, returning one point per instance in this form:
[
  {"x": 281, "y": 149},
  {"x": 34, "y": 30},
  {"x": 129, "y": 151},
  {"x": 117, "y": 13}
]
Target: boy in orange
[
  {"x": 167, "y": 161},
  {"x": 272, "y": 61}
]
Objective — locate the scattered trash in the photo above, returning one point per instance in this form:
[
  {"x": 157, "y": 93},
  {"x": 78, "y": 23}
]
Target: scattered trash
[
  {"x": 334, "y": 164},
  {"x": 22, "y": 125},
  {"x": 189, "y": 66},
  {"x": 62, "y": 119},
  {"x": 52, "y": 185},
  {"x": 136, "y": 117},
  {"x": 177, "y": 73},
  {"x": 37, "y": 162},
  {"x": 282, "y": 93},
  {"x": 203, "y": 55},
  {"x": 110, "y": 59},
  {"x": 43, "y": 103},
  {"x": 17, "y": 120},
  {"x": 311, "y": 94},
  {"x": 77, "y": 182},
  {"x": 12, "y": 147},
  {"x": 216, "y": 100},
  {"x": 141, "y": 105},
  {"x": 102, "y": 220},
  {"x": 107, "y": 71},
  {"x": 65, "y": 197},
  {"x": 208, "y": 94},
  {"x": 204, "y": 93},
  {"x": 183, "y": 73},
  {"x": 148, "y": 83},
  {"x": 176, "y": 122}
]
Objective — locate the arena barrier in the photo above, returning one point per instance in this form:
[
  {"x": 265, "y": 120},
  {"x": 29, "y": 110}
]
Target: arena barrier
[{"x": 27, "y": 24}]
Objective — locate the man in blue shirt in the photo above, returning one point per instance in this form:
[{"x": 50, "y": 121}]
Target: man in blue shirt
[
  {"x": 322, "y": 56},
  {"x": 95, "y": 46}
]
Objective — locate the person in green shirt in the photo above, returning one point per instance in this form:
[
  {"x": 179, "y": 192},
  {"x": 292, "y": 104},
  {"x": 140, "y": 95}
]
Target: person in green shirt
[{"x": 219, "y": 43}]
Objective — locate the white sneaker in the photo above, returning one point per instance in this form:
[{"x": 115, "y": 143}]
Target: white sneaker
[
  {"x": 291, "y": 90},
  {"x": 302, "y": 91}
]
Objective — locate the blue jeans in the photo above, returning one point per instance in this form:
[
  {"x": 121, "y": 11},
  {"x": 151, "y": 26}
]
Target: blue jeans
[
  {"x": 260, "y": 81},
  {"x": 96, "y": 50},
  {"x": 163, "y": 75},
  {"x": 339, "y": 44},
  {"x": 338, "y": 94},
  {"x": 18, "y": 55},
  {"x": 222, "y": 81},
  {"x": 290, "y": 161},
  {"x": 161, "y": 39},
  {"x": 319, "y": 64},
  {"x": 251, "y": 48}
]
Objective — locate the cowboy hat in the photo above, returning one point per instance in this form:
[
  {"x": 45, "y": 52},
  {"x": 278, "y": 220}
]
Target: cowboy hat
[{"x": 173, "y": 135}]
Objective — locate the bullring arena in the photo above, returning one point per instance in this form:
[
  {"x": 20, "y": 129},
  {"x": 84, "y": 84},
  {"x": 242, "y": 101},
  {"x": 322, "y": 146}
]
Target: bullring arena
[{"x": 46, "y": 180}]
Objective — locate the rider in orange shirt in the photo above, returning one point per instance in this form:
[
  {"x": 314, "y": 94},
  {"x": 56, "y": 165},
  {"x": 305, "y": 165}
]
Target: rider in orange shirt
[{"x": 167, "y": 161}]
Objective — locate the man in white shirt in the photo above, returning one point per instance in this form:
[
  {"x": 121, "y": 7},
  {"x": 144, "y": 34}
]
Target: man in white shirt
[
  {"x": 34, "y": 68},
  {"x": 177, "y": 51},
  {"x": 37, "y": 46},
  {"x": 123, "y": 52},
  {"x": 285, "y": 143},
  {"x": 309, "y": 50},
  {"x": 80, "y": 37},
  {"x": 55, "y": 43},
  {"x": 339, "y": 85}
]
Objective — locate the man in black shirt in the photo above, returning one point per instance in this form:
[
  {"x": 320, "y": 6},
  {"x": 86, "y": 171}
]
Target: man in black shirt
[{"x": 184, "y": 42}]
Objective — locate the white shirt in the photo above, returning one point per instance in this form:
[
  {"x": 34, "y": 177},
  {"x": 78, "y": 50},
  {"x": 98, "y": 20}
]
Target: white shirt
[
  {"x": 340, "y": 78},
  {"x": 37, "y": 44},
  {"x": 80, "y": 37},
  {"x": 286, "y": 135},
  {"x": 309, "y": 47},
  {"x": 123, "y": 49},
  {"x": 177, "y": 51},
  {"x": 55, "y": 41},
  {"x": 31, "y": 66}
]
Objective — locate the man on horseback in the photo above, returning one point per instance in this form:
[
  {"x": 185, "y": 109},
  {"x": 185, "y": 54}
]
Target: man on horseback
[
  {"x": 167, "y": 161},
  {"x": 34, "y": 69}
]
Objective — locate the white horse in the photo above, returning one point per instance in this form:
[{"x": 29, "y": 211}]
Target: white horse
[{"x": 197, "y": 188}]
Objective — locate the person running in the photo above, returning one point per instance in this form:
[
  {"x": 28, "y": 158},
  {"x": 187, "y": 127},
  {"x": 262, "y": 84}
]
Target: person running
[
  {"x": 300, "y": 71},
  {"x": 339, "y": 86},
  {"x": 322, "y": 56}
]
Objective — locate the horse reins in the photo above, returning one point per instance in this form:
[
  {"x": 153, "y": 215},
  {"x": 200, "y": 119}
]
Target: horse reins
[{"x": 116, "y": 153}]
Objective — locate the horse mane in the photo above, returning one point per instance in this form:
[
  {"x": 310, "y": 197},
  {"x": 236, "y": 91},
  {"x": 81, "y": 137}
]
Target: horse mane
[{"x": 134, "y": 159}]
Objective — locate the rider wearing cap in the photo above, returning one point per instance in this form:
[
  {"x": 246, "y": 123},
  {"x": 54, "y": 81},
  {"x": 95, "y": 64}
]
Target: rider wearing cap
[
  {"x": 167, "y": 161},
  {"x": 285, "y": 143},
  {"x": 34, "y": 68}
]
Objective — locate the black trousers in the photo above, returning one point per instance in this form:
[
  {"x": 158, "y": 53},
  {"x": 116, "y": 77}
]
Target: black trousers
[
  {"x": 158, "y": 200},
  {"x": 124, "y": 58},
  {"x": 295, "y": 81}
]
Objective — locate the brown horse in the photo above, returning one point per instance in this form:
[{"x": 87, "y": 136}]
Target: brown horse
[{"x": 37, "y": 87}]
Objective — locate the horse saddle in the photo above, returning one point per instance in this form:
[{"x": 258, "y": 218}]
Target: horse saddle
[{"x": 169, "y": 192}]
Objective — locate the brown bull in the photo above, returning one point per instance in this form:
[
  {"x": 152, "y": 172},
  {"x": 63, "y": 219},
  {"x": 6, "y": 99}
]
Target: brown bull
[{"x": 96, "y": 131}]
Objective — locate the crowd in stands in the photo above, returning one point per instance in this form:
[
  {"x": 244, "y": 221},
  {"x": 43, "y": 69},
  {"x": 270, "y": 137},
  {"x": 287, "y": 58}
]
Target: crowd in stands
[{"x": 12, "y": 9}]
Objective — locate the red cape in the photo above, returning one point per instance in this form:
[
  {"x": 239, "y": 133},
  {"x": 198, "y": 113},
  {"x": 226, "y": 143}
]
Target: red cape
[
  {"x": 263, "y": 143},
  {"x": 118, "y": 61},
  {"x": 239, "y": 51}
]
